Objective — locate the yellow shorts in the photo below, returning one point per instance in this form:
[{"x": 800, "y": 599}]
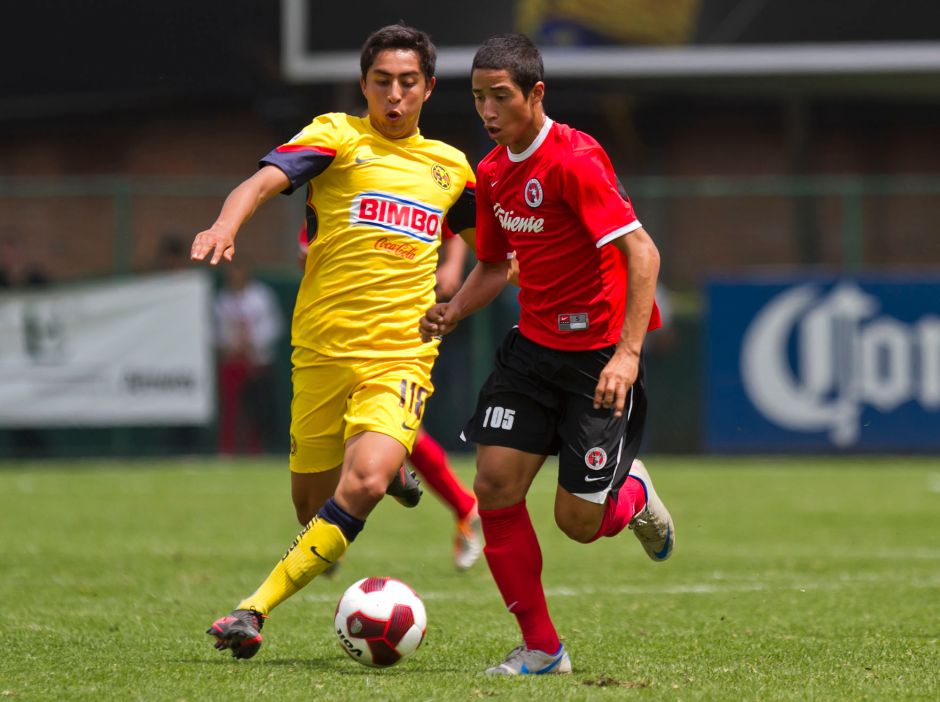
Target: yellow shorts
[{"x": 337, "y": 398}]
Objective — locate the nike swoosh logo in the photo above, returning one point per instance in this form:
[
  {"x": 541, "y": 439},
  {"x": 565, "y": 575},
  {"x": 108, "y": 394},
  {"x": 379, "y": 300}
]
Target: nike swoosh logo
[
  {"x": 509, "y": 608},
  {"x": 407, "y": 428},
  {"x": 493, "y": 183},
  {"x": 313, "y": 550},
  {"x": 589, "y": 479},
  {"x": 662, "y": 554},
  {"x": 360, "y": 160}
]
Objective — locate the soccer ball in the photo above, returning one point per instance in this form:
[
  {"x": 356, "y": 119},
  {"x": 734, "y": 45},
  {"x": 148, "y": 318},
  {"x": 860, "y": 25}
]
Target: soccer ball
[{"x": 380, "y": 621}]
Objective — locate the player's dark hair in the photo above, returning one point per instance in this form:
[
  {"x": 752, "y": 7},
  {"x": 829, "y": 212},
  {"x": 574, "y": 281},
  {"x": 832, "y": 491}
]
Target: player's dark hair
[
  {"x": 514, "y": 53},
  {"x": 399, "y": 36}
]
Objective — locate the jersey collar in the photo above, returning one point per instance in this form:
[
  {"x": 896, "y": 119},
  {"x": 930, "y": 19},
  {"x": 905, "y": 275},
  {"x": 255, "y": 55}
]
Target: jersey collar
[{"x": 540, "y": 137}]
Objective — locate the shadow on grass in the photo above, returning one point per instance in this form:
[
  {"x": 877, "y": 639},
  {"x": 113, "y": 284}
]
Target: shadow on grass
[{"x": 330, "y": 665}]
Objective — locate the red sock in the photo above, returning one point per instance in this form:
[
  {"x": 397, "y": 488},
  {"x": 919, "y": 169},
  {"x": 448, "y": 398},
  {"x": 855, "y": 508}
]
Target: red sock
[
  {"x": 515, "y": 559},
  {"x": 629, "y": 500},
  {"x": 430, "y": 460}
]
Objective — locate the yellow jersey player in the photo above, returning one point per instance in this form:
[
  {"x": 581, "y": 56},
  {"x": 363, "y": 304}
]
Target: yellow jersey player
[
  {"x": 379, "y": 196},
  {"x": 427, "y": 456}
]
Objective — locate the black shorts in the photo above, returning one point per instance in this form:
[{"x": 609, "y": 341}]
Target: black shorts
[{"x": 540, "y": 400}]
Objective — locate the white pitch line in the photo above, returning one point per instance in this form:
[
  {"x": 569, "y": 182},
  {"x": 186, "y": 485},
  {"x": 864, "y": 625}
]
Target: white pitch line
[
  {"x": 841, "y": 582},
  {"x": 790, "y": 551}
]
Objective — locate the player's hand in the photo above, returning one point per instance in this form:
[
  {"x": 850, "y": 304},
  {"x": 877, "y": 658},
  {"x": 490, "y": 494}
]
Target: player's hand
[
  {"x": 513, "y": 275},
  {"x": 437, "y": 321},
  {"x": 214, "y": 243},
  {"x": 615, "y": 381}
]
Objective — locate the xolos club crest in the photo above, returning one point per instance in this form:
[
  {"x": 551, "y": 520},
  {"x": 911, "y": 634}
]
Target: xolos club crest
[
  {"x": 533, "y": 193},
  {"x": 595, "y": 458}
]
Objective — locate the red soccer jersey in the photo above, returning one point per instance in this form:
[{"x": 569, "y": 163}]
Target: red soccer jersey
[{"x": 557, "y": 205}]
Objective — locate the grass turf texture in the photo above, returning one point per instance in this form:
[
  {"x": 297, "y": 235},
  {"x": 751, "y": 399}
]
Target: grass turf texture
[{"x": 793, "y": 579}]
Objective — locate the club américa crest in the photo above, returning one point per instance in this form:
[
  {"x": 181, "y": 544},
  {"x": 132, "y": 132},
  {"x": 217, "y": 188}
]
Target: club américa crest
[
  {"x": 595, "y": 458},
  {"x": 441, "y": 176}
]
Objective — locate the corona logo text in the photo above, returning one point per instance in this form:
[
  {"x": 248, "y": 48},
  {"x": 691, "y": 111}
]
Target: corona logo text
[{"x": 812, "y": 361}]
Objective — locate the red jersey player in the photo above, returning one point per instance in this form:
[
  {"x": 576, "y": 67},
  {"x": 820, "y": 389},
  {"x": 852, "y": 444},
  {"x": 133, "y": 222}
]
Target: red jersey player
[{"x": 568, "y": 380}]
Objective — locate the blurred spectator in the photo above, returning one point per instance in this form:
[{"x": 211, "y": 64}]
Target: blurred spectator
[
  {"x": 248, "y": 327},
  {"x": 172, "y": 254},
  {"x": 17, "y": 273},
  {"x": 660, "y": 342}
]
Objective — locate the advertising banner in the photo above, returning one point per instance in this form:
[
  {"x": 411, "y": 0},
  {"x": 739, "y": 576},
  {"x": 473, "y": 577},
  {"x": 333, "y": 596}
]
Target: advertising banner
[
  {"x": 115, "y": 353},
  {"x": 823, "y": 364}
]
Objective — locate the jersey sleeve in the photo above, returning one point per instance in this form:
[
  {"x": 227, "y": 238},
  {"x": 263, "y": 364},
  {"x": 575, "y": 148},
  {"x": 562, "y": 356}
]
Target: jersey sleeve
[
  {"x": 463, "y": 213},
  {"x": 491, "y": 242},
  {"x": 309, "y": 153},
  {"x": 596, "y": 197}
]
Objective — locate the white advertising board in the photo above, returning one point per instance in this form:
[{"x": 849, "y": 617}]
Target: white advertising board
[{"x": 115, "y": 353}]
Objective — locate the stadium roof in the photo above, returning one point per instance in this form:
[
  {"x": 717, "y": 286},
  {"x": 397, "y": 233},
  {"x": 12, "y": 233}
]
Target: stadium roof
[{"x": 656, "y": 62}]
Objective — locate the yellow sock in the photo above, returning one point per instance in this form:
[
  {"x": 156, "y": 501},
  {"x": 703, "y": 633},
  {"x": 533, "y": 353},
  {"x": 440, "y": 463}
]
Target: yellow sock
[{"x": 315, "y": 549}]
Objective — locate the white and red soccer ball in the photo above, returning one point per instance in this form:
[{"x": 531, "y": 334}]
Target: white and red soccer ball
[{"x": 380, "y": 621}]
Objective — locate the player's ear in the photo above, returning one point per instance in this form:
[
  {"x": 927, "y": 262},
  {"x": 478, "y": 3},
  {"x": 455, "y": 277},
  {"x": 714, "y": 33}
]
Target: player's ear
[
  {"x": 362, "y": 85},
  {"x": 430, "y": 87},
  {"x": 537, "y": 93}
]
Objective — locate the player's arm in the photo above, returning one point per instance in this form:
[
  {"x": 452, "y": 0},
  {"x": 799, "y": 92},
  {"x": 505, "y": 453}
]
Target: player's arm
[
  {"x": 218, "y": 241},
  {"x": 642, "y": 270},
  {"x": 450, "y": 271},
  {"x": 469, "y": 237},
  {"x": 481, "y": 287}
]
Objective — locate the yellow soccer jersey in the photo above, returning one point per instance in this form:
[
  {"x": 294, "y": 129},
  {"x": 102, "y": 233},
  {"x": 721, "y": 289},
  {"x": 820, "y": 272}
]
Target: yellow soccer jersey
[{"x": 377, "y": 209}]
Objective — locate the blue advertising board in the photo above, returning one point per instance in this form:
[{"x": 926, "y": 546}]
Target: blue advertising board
[{"x": 823, "y": 364}]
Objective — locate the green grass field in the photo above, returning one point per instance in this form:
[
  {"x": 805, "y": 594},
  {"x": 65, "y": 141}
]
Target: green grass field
[{"x": 793, "y": 579}]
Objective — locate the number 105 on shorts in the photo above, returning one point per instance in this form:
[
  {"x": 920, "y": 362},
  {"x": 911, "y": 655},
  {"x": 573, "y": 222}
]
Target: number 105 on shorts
[{"x": 499, "y": 417}]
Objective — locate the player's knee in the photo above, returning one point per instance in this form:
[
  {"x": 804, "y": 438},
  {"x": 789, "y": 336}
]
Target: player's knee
[
  {"x": 580, "y": 532},
  {"x": 577, "y": 527},
  {"x": 368, "y": 486},
  {"x": 370, "y": 491},
  {"x": 484, "y": 488},
  {"x": 494, "y": 491}
]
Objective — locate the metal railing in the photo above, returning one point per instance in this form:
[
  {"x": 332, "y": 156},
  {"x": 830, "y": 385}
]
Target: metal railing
[{"x": 848, "y": 189}]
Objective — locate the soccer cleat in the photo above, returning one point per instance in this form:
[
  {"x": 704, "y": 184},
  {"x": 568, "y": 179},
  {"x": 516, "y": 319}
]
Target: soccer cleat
[
  {"x": 652, "y": 525},
  {"x": 468, "y": 543},
  {"x": 406, "y": 488},
  {"x": 239, "y": 631},
  {"x": 527, "y": 661}
]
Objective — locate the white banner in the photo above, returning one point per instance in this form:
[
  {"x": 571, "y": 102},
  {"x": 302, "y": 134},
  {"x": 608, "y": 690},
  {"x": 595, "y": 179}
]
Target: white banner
[{"x": 115, "y": 353}]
